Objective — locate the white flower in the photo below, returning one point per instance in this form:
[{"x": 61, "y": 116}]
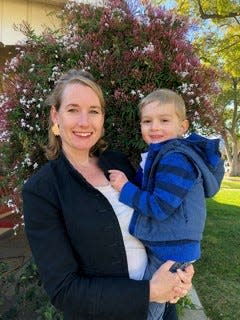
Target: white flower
[
  {"x": 35, "y": 165},
  {"x": 10, "y": 203},
  {"x": 23, "y": 123},
  {"x": 140, "y": 94},
  {"x": 197, "y": 99},
  {"x": 183, "y": 87},
  {"x": 183, "y": 74},
  {"x": 148, "y": 48},
  {"x": 23, "y": 100}
]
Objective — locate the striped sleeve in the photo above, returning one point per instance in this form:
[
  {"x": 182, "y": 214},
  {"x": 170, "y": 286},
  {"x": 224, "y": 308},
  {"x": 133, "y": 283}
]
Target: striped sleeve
[{"x": 175, "y": 176}]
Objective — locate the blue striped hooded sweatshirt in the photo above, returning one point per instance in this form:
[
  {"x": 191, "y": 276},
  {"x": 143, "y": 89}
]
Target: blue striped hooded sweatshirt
[{"x": 169, "y": 206}]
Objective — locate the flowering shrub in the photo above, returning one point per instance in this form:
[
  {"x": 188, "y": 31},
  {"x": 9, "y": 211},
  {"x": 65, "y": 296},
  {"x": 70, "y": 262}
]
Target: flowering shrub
[{"x": 129, "y": 59}]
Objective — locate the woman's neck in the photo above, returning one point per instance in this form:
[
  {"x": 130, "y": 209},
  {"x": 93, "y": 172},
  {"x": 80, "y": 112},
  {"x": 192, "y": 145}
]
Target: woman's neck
[
  {"x": 87, "y": 166},
  {"x": 80, "y": 158}
]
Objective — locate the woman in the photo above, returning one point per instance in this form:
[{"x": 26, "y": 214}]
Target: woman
[{"x": 89, "y": 264}]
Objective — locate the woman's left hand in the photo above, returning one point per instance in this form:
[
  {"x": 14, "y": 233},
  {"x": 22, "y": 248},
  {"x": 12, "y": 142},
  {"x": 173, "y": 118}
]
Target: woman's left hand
[{"x": 186, "y": 282}]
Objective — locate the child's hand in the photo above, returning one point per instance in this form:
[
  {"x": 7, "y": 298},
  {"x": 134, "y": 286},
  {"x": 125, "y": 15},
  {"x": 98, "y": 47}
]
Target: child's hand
[{"x": 117, "y": 179}]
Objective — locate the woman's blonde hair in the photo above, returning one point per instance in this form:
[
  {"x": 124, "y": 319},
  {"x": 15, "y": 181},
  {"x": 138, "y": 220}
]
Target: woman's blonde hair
[
  {"x": 74, "y": 76},
  {"x": 165, "y": 96}
]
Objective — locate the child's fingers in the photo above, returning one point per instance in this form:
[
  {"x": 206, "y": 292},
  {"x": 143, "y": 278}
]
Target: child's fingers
[{"x": 114, "y": 171}]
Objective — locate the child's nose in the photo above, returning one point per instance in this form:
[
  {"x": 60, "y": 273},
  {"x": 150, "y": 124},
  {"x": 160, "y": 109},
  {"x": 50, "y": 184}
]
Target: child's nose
[{"x": 156, "y": 125}]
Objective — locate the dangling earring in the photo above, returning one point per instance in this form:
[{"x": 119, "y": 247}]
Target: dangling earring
[{"x": 55, "y": 129}]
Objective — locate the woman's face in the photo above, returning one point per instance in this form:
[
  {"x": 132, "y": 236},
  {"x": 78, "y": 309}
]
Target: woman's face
[{"x": 80, "y": 118}]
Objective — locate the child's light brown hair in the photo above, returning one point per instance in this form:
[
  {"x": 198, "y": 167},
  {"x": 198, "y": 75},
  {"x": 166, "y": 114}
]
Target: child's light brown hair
[{"x": 165, "y": 96}]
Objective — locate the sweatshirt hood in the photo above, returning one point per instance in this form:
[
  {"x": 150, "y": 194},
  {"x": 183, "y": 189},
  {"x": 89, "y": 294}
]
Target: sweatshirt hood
[{"x": 212, "y": 165}]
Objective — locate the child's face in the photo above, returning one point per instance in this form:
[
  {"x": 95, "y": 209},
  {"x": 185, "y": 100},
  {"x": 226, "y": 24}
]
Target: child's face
[{"x": 160, "y": 122}]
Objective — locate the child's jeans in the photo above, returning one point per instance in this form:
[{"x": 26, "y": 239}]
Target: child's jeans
[{"x": 156, "y": 310}]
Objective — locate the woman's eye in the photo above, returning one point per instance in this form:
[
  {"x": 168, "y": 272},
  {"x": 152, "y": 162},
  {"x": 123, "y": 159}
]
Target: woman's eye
[
  {"x": 72, "y": 110},
  {"x": 146, "y": 121},
  {"x": 94, "y": 111}
]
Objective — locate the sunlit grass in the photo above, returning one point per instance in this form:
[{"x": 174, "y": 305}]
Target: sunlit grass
[
  {"x": 217, "y": 279},
  {"x": 228, "y": 183},
  {"x": 228, "y": 196}
]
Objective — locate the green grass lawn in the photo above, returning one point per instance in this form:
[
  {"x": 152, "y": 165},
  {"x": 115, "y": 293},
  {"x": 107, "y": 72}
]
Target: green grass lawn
[{"x": 217, "y": 277}]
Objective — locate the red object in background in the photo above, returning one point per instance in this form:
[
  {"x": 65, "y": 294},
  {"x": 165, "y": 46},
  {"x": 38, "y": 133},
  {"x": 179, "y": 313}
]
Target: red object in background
[
  {"x": 7, "y": 222},
  {"x": 3, "y": 209}
]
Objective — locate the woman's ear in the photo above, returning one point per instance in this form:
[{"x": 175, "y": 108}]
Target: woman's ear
[{"x": 54, "y": 114}]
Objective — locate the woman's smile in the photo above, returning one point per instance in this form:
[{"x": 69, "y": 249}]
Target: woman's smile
[{"x": 82, "y": 134}]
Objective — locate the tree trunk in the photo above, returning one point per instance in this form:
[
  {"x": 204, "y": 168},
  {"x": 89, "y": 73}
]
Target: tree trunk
[
  {"x": 227, "y": 147},
  {"x": 235, "y": 165},
  {"x": 235, "y": 169}
]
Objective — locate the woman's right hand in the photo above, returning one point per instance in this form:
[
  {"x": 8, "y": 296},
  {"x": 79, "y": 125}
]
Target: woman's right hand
[{"x": 167, "y": 286}]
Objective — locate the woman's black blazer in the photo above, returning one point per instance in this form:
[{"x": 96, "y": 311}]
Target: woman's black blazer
[{"x": 77, "y": 244}]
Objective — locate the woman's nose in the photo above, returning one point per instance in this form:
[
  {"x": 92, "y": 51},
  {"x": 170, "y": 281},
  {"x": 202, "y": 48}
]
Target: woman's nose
[{"x": 83, "y": 119}]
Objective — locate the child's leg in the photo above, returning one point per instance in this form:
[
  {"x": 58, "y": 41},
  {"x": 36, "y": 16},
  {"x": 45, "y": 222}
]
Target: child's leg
[{"x": 156, "y": 310}]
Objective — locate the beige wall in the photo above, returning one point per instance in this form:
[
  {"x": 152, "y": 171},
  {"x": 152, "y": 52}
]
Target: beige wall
[{"x": 36, "y": 13}]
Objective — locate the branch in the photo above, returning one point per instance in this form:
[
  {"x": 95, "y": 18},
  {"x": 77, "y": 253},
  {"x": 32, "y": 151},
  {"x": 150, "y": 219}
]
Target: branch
[
  {"x": 216, "y": 15},
  {"x": 224, "y": 24},
  {"x": 237, "y": 20},
  {"x": 235, "y": 36},
  {"x": 205, "y": 59},
  {"x": 227, "y": 47}
]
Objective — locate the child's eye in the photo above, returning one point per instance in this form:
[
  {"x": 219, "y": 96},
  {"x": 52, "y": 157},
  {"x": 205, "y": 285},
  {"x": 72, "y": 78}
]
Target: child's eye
[
  {"x": 165, "y": 120},
  {"x": 146, "y": 121}
]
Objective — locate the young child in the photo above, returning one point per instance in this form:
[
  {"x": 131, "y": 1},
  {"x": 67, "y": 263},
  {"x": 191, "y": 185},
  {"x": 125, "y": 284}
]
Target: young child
[{"x": 176, "y": 174}]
